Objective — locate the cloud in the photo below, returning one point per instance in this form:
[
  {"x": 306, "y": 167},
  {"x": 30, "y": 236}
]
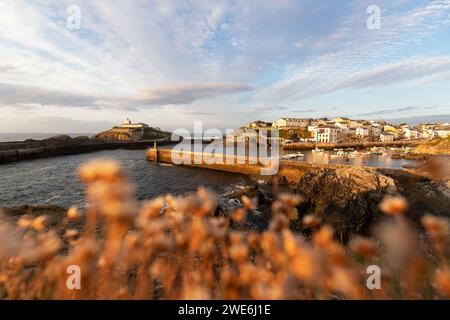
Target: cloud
[
  {"x": 324, "y": 78},
  {"x": 349, "y": 56},
  {"x": 171, "y": 94},
  {"x": 263, "y": 108},
  {"x": 16, "y": 95},
  {"x": 184, "y": 93},
  {"x": 54, "y": 124},
  {"x": 201, "y": 113},
  {"x": 305, "y": 111},
  {"x": 207, "y": 54},
  {"x": 6, "y": 68},
  {"x": 390, "y": 111}
]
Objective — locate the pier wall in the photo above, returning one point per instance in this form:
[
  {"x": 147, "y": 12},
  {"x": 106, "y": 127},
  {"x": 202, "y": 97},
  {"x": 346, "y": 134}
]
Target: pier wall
[
  {"x": 290, "y": 170},
  {"x": 18, "y": 151}
]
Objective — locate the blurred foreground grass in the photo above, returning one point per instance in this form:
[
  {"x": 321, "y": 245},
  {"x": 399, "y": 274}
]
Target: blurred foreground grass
[{"x": 175, "y": 248}]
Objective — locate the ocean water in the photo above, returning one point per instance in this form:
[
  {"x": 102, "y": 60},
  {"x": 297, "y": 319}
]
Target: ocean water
[
  {"x": 54, "y": 180},
  {"x": 6, "y": 137}
]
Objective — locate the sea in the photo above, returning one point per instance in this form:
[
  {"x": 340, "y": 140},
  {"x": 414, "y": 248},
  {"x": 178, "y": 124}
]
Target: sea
[
  {"x": 55, "y": 181},
  {"x": 7, "y": 137}
]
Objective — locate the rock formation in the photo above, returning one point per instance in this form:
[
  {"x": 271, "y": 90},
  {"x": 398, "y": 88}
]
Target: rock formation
[
  {"x": 346, "y": 198},
  {"x": 130, "y": 134}
]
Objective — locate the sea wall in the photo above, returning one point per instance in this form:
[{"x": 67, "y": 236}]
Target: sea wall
[
  {"x": 18, "y": 151},
  {"x": 289, "y": 170}
]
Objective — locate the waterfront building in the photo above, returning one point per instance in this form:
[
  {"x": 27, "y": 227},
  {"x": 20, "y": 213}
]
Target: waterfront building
[
  {"x": 127, "y": 124},
  {"x": 386, "y": 137},
  {"x": 411, "y": 134},
  {"x": 375, "y": 131},
  {"x": 391, "y": 129},
  {"x": 291, "y": 122},
  {"x": 442, "y": 131},
  {"x": 343, "y": 127},
  {"x": 362, "y": 132},
  {"x": 327, "y": 134}
]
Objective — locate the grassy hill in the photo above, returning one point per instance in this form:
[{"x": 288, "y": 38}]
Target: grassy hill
[{"x": 435, "y": 147}]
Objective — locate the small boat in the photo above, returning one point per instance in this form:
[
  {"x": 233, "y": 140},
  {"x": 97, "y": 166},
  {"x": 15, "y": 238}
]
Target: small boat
[
  {"x": 317, "y": 150},
  {"x": 291, "y": 156}
]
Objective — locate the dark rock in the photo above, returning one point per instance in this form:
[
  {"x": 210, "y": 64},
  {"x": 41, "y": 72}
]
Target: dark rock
[
  {"x": 82, "y": 138},
  {"x": 345, "y": 198},
  {"x": 61, "y": 137}
]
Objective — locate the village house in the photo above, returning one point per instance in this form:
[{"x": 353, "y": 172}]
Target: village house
[
  {"x": 393, "y": 130},
  {"x": 410, "y": 134},
  {"x": 386, "y": 137},
  {"x": 291, "y": 123},
  {"x": 362, "y": 132},
  {"x": 326, "y": 134},
  {"x": 375, "y": 130},
  {"x": 426, "y": 133},
  {"x": 343, "y": 129},
  {"x": 442, "y": 131}
]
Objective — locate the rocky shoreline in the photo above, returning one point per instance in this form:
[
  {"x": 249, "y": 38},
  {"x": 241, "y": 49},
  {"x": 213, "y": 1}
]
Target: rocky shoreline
[
  {"x": 345, "y": 198},
  {"x": 348, "y": 198}
]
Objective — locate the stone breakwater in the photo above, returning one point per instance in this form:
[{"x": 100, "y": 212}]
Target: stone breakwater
[
  {"x": 26, "y": 150},
  {"x": 289, "y": 171}
]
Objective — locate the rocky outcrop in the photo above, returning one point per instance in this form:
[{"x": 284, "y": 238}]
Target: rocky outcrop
[
  {"x": 125, "y": 134},
  {"x": 346, "y": 198},
  {"x": 61, "y": 137}
]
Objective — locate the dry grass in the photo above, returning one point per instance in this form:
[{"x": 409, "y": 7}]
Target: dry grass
[{"x": 174, "y": 248}]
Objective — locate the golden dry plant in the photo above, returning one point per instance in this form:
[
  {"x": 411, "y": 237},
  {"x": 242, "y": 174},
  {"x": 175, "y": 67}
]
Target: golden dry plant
[{"x": 176, "y": 248}]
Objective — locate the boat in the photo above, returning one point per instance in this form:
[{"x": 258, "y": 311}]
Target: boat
[
  {"x": 291, "y": 156},
  {"x": 317, "y": 150}
]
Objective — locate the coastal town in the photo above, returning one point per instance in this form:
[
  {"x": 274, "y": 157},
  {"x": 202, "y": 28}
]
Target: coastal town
[{"x": 342, "y": 130}]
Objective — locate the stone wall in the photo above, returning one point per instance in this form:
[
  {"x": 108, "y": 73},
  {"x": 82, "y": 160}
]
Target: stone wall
[
  {"x": 290, "y": 170},
  {"x": 18, "y": 151}
]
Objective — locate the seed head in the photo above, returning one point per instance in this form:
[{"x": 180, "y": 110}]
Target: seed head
[{"x": 394, "y": 205}]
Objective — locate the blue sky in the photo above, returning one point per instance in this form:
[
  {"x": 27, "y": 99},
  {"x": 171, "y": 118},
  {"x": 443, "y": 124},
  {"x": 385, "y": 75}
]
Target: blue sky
[{"x": 169, "y": 63}]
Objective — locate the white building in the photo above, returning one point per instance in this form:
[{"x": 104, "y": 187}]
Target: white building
[
  {"x": 386, "y": 137},
  {"x": 362, "y": 132},
  {"x": 442, "y": 132},
  {"x": 343, "y": 126},
  {"x": 410, "y": 133},
  {"x": 129, "y": 125},
  {"x": 327, "y": 134},
  {"x": 291, "y": 122}
]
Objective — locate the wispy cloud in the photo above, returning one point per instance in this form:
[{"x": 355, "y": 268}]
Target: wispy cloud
[
  {"x": 17, "y": 95},
  {"x": 391, "y": 111},
  {"x": 175, "y": 94},
  {"x": 184, "y": 93}
]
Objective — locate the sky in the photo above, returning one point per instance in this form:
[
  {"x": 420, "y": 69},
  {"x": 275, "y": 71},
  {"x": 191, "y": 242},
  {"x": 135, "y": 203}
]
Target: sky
[{"x": 84, "y": 66}]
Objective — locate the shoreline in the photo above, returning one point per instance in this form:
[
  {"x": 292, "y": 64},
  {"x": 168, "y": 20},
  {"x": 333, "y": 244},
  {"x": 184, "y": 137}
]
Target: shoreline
[{"x": 356, "y": 145}]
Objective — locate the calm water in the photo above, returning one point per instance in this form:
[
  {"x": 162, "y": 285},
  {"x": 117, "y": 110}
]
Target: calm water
[
  {"x": 54, "y": 181},
  {"x": 370, "y": 160}
]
